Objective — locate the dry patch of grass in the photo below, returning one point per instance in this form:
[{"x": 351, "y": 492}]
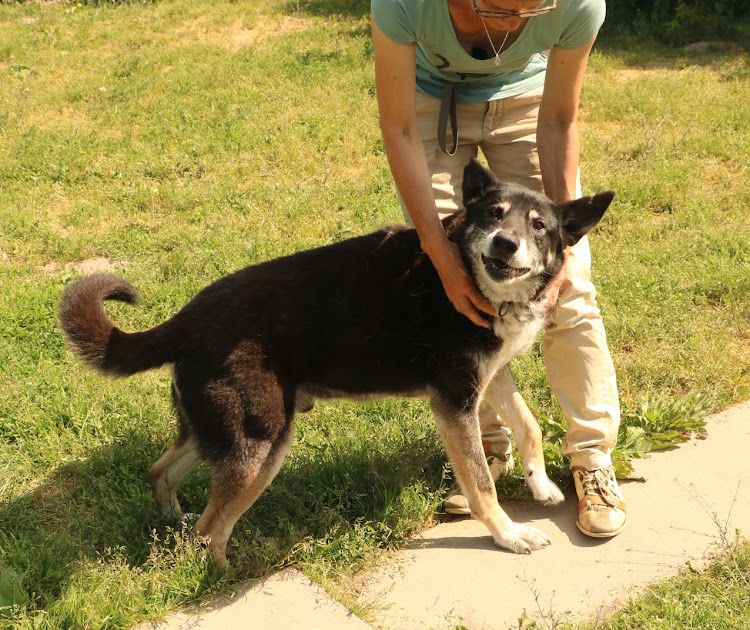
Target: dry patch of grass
[
  {"x": 97, "y": 264},
  {"x": 635, "y": 74},
  {"x": 64, "y": 117},
  {"x": 727, "y": 177},
  {"x": 235, "y": 35}
]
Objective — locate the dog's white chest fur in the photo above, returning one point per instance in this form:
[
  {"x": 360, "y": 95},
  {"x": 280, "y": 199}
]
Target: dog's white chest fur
[
  {"x": 518, "y": 336},
  {"x": 518, "y": 328}
]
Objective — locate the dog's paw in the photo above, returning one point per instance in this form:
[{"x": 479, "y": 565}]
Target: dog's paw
[
  {"x": 544, "y": 490},
  {"x": 522, "y": 539}
]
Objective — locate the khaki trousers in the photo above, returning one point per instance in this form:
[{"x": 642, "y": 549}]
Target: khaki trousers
[{"x": 576, "y": 357}]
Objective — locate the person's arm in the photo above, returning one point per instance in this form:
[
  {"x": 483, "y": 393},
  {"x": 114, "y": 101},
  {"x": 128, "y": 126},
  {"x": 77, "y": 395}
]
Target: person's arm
[
  {"x": 395, "y": 80},
  {"x": 557, "y": 132},
  {"x": 557, "y": 129}
]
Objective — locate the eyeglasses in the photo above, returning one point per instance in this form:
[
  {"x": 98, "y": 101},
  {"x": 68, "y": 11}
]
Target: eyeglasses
[{"x": 502, "y": 13}]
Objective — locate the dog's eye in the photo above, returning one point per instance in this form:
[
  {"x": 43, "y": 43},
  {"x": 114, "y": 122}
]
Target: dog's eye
[
  {"x": 496, "y": 212},
  {"x": 538, "y": 224}
]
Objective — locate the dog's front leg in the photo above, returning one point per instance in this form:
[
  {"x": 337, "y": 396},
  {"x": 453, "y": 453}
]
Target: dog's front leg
[
  {"x": 460, "y": 432},
  {"x": 505, "y": 399}
]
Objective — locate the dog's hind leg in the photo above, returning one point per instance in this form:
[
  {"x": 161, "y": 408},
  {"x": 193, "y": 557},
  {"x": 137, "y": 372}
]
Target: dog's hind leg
[
  {"x": 459, "y": 429},
  {"x": 503, "y": 396},
  {"x": 172, "y": 467},
  {"x": 170, "y": 470},
  {"x": 236, "y": 486},
  {"x": 240, "y": 412}
]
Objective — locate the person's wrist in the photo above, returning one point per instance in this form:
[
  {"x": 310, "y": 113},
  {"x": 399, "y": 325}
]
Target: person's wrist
[{"x": 434, "y": 245}]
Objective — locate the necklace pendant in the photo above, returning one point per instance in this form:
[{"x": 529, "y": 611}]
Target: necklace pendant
[{"x": 497, "y": 51}]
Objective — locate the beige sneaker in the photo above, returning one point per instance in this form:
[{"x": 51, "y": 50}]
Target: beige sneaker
[
  {"x": 601, "y": 509},
  {"x": 500, "y": 464}
]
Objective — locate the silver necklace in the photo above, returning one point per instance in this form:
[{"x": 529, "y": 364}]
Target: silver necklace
[{"x": 494, "y": 50}]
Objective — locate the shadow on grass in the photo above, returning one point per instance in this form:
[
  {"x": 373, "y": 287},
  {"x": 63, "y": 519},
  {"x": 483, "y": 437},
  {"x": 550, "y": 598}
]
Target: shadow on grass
[
  {"x": 82, "y": 509},
  {"x": 350, "y": 8},
  {"x": 326, "y": 506},
  {"x": 646, "y": 54}
]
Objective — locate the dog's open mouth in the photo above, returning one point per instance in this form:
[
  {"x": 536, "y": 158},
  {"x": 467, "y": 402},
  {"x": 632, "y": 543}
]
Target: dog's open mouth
[{"x": 500, "y": 269}]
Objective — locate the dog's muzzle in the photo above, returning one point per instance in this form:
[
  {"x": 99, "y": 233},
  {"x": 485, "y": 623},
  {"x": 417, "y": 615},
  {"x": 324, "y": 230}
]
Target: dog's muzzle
[{"x": 499, "y": 269}]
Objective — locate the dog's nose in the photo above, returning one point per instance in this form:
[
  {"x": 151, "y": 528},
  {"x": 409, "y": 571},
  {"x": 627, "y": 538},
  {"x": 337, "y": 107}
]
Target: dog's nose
[{"x": 504, "y": 245}]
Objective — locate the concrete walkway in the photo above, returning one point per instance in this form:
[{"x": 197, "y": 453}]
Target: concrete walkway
[
  {"x": 285, "y": 601},
  {"x": 453, "y": 574}
]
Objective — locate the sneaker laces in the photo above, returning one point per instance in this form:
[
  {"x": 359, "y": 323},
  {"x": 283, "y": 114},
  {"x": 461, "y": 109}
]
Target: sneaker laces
[{"x": 602, "y": 483}]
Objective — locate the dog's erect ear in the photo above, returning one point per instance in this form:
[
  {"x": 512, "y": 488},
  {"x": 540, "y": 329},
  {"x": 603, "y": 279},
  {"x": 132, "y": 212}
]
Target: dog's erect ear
[
  {"x": 477, "y": 180},
  {"x": 580, "y": 216}
]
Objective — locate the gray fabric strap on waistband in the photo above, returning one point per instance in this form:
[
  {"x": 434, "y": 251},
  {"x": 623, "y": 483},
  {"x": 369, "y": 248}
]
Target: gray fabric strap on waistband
[{"x": 448, "y": 106}]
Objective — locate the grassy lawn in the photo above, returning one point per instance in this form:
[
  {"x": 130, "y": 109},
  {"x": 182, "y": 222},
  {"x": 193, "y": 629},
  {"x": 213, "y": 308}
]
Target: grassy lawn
[
  {"x": 181, "y": 140},
  {"x": 717, "y": 598}
]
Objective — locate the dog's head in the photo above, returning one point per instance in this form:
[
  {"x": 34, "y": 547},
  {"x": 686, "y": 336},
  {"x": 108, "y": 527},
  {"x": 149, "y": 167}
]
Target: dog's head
[{"x": 513, "y": 237}]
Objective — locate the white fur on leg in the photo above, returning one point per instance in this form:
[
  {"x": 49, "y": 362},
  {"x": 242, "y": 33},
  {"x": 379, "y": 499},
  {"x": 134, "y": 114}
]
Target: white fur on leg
[
  {"x": 504, "y": 397},
  {"x": 543, "y": 489},
  {"x": 522, "y": 539},
  {"x": 463, "y": 444}
]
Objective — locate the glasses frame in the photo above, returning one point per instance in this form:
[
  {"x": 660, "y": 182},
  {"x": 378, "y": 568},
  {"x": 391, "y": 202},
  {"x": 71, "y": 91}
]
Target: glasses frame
[{"x": 502, "y": 13}]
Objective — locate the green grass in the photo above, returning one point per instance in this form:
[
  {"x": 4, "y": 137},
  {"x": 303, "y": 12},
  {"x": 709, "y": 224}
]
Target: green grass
[
  {"x": 717, "y": 597},
  {"x": 714, "y": 597},
  {"x": 182, "y": 140}
]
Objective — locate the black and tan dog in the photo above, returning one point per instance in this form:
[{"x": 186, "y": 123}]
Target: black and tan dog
[{"x": 364, "y": 317}]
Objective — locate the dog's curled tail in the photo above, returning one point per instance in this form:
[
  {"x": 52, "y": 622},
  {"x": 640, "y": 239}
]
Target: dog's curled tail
[{"x": 98, "y": 341}]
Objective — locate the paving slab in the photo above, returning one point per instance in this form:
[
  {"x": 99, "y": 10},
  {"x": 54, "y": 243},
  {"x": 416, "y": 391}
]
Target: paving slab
[
  {"x": 453, "y": 574},
  {"x": 287, "y": 600}
]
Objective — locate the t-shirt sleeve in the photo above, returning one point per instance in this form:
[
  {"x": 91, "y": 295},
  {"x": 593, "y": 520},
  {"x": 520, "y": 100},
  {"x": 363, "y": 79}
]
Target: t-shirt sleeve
[
  {"x": 584, "y": 24},
  {"x": 392, "y": 18}
]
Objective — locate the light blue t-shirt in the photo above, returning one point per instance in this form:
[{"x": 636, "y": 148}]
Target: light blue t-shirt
[{"x": 441, "y": 58}]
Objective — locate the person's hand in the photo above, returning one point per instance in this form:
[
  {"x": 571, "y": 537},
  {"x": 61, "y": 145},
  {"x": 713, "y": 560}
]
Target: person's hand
[
  {"x": 458, "y": 284},
  {"x": 552, "y": 292}
]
